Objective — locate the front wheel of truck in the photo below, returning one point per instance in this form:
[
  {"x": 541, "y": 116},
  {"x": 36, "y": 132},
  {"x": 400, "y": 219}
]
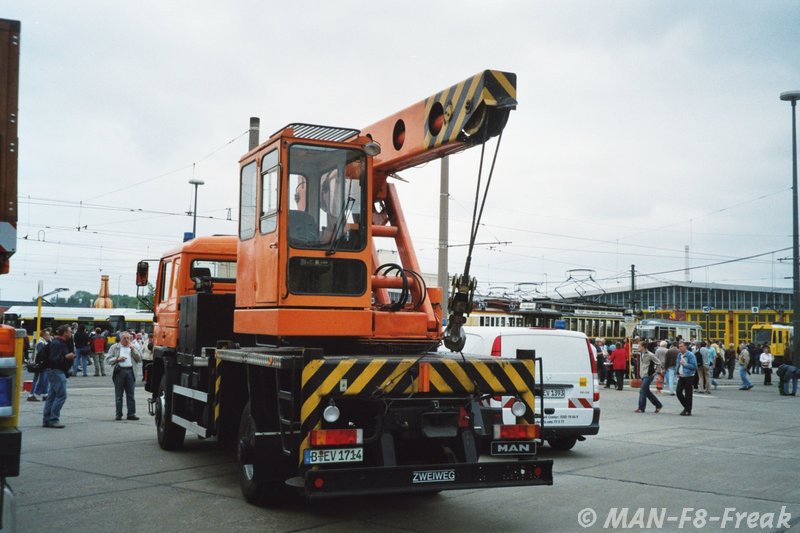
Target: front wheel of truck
[{"x": 170, "y": 436}]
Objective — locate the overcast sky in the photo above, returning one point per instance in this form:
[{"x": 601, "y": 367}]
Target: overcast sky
[{"x": 642, "y": 127}]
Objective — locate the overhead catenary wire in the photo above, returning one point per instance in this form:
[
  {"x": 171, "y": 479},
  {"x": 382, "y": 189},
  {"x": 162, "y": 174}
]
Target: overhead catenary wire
[{"x": 165, "y": 174}]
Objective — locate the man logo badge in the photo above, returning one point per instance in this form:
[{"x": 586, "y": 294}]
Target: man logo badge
[
  {"x": 513, "y": 448},
  {"x": 433, "y": 476}
]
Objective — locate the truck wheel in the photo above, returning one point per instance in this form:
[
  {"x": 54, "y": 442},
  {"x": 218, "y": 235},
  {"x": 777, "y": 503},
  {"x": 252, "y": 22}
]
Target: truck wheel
[
  {"x": 170, "y": 436},
  {"x": 261, "y": 481},
  {"x": 563, "y": 444}
]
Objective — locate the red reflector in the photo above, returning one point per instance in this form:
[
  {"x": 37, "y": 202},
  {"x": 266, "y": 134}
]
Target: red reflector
[
  {"x": 463, "y": 418},
  {"x": 537, "y": 472},
  {"x": 596, "y": 396},
  {"x": 319, "y": 482},
  {"x": 516, "y": 432},
  {"x": 497, "y": 346},
  {"x": 336, "y": 437}
]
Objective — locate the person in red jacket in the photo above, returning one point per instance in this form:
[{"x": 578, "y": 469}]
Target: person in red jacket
[{"x": 619, "y": 359}]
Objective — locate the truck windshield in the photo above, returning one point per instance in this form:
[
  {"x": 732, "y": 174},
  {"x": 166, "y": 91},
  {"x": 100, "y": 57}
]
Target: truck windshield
[
  {"x": 216, "y": 269},
  {"x": 326, "y": 198}
]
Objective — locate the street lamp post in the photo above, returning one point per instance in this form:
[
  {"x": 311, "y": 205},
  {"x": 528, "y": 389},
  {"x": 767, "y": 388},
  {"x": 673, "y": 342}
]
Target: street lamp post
[
  {"x": 793, "y": 96},
  {"x": 196, "y": 184},
  {"x": 39, "y": 299}
]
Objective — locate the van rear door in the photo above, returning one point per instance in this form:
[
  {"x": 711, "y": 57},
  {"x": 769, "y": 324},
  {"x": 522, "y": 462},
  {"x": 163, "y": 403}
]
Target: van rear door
[{"x": 567, "y": 375}]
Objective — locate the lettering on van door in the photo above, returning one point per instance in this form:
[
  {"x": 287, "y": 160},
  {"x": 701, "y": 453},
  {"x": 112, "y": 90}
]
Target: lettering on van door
[{"x": 560, "y": 419}]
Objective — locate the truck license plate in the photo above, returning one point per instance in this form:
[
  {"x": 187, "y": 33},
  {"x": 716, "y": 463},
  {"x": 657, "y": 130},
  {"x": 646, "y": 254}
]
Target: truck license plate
[
  {"x": 337, "y": 455},
  {"x": 554, "y": 393}
]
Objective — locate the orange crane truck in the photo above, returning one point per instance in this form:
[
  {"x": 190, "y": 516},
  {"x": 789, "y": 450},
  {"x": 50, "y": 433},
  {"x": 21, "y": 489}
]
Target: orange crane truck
[
  {"x": 291, "y": 340},
  {"x": 11, "y": 340}
]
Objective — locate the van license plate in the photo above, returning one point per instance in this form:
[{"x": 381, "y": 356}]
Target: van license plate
[
  {"x": 337, "y": 455},
  {"x": 555, "y": 393}
]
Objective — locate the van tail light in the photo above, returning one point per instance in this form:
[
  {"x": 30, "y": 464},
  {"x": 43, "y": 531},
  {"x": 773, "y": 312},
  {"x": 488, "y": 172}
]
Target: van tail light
[
  {"x": 497, "y": 346},
  {"x": 497, "y": 349},
  {"x": 593, "y": 361},
  {"x": 591, "y": 357}
]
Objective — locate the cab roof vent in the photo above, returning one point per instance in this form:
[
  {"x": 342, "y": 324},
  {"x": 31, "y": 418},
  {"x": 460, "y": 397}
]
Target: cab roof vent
[{"x": 320, "y": 133}]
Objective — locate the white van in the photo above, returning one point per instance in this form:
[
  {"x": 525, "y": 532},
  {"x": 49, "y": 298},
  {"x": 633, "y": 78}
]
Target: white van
[{"x": 571, "y": 391}]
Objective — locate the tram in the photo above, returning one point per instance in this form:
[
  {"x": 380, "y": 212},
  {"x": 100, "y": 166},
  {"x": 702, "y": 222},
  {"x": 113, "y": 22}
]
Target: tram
[
  {"x": 586, "y": 317},
  {"x": 113, "y": 320},
  {"x": 777, "y": 336},
  {"x": 663, "y": 329}
]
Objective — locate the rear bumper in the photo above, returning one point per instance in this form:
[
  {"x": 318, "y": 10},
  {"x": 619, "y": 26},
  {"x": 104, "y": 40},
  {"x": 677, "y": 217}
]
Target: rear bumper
[
  {"x": 494, "y": 415},
  {"x": 427, "y": 478},
  {"x": 559, "y": 432}
]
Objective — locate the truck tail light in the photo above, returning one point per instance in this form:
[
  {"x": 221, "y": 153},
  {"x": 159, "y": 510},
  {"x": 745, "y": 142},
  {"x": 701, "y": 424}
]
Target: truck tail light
[
  {"x": 336, "y": 437},
  {"x": 517, "y": 431}
]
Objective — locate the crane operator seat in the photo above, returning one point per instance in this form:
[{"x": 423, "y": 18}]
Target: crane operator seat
[{"x": 302, "y": 228}]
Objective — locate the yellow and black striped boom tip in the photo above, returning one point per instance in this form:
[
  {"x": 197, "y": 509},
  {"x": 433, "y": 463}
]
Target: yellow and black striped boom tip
[{"x": 459, "y": 112}]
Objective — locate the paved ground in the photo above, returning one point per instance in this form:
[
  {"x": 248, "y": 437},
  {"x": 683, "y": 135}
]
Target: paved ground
[{"x": 737, "y": 451}]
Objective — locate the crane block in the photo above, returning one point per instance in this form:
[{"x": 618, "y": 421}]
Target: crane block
[{"x": 468, "y": 113}]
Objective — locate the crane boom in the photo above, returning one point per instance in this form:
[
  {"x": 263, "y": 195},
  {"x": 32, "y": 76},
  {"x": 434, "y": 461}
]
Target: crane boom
[{"x": 467, "y": 113}]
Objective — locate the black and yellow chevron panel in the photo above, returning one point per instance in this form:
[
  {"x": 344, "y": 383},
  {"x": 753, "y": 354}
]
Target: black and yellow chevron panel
[
  {"x": 399, "y": 377},
  {"x": 463, "y": 107}
]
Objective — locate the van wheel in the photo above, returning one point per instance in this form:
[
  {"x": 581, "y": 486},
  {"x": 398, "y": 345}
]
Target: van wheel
[
  {"x": 260, "y": 478},
  {"x": 563, "y": 444},
  {"x": 170, "y": 436}
]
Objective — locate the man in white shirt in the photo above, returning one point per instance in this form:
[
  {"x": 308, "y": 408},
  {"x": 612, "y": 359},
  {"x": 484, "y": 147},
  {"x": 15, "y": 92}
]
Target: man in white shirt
[
  {"x": 766, "y": 364},
  {"x": 124, "y": 356}
]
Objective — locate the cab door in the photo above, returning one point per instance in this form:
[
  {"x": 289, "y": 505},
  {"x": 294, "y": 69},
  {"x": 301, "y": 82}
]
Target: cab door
[
  {"x": 267, "y": 246},
  {"x": 166, "y": 329}
]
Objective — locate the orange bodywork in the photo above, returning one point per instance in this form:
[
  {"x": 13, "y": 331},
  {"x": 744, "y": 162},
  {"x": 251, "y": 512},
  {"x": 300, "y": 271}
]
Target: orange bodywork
[
  {"x": 313, "y": 203},
  {"x": 310, "y": 290}
]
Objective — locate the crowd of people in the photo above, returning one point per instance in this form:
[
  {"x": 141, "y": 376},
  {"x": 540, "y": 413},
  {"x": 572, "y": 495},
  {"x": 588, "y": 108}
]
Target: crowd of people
[
  {"x": 69, "y": 351},
  {"x": 686, "y": 367}
]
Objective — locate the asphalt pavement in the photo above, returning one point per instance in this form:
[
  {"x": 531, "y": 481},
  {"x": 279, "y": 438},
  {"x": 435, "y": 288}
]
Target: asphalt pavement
[{"x": 734, "y": 459}]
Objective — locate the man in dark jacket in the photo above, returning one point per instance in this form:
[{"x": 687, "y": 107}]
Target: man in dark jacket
[
  {"x": 59, "y": 361},
  {"x": 81, "y": 340},
  {"x": 785, "y": 373}
]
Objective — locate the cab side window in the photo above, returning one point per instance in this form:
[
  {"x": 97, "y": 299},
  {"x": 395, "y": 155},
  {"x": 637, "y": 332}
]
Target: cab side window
[
  {"x": 269, "y": 192},
  {"x": 247, "y": 202},
  {"x": 165, "y": 276}
]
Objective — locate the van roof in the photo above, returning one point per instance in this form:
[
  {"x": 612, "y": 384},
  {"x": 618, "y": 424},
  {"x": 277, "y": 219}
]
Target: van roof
[{"x": 495, "y": 331}]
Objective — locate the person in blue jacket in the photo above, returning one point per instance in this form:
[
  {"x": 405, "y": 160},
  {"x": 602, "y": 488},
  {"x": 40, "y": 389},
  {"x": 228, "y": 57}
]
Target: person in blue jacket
[{"x": 687, "y": 368}]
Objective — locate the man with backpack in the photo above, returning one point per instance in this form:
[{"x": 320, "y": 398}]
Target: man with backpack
[{"x": 59, "y": 362}]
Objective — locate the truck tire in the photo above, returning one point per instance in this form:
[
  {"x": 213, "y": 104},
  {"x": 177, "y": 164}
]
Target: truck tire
[
  {"x": 563, "y": 444},
  {"x": 262, "y": 481},
  {"x": 170, "y": 436}
]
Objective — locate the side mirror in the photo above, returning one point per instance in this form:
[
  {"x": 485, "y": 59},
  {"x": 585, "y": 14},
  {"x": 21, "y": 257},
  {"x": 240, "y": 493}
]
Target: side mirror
[{"x": 142, "y": 269}]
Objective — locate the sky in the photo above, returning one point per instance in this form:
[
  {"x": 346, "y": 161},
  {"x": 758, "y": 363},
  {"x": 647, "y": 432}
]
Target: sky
[{"x": 642, "y": 128}]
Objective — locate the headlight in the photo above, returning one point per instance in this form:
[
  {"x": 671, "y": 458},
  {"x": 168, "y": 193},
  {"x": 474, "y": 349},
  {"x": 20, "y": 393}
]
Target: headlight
[
  {"x": 331, "y": 413},
  {"x": 519, "y": 408}
]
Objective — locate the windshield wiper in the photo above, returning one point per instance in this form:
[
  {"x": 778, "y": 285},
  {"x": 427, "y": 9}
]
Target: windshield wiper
[{"x": 340, "y": 223}]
